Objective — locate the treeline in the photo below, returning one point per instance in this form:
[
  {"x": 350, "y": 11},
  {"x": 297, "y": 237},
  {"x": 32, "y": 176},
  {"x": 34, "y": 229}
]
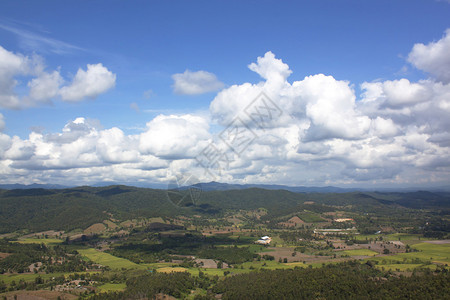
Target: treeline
[
  {"x": 51, "y": 259},
  {"x": 148, "y": 286},
  {"x": 66, "y": 209},
  {"x": 342, "y": 281},
  {"x": 350, "y": 280},
  {"x": 143, "y": 247}
]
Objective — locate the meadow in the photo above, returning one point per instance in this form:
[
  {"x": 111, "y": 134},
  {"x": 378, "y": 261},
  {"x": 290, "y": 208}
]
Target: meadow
[
  {"x": 428, "y": 256},
  {"x": 112, "y": 287},
  {"x": 109, "y": 260},
  {"x": 358, "y": 252},
  {"x": 48, "y": 241}
]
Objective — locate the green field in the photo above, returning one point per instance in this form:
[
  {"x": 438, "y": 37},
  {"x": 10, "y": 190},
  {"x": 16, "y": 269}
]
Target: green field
[
  {"x": 109, "y": 260},
  {"x": 363, "y": 237},
  {"x": 31, "y": 276},
  {"x": 26, "y": 277},
  {"x": 171, "y": 269},
  {"x": 257, "y": 248},
  {"x": 358, "y": 252},
  {"x": 437, "y": 253},
  {"x": 157, "y": 265},
  {"x": 39, "y": 241},
  {"x": 310, "y": 217},
  {"x": 402, "y": 237},
  {"x": 112, "y": 287},
  {"x": 404, "y": 267}
]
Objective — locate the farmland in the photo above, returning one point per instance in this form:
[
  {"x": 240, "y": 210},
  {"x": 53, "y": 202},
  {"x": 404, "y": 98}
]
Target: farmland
[
  {"x": 214, "y": 242},
  {"x": 107, "y": 260}
]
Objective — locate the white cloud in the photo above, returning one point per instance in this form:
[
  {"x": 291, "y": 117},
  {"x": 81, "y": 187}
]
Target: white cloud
[
  {"x": 11, "y": 65},
  {"x": 433, "y": 58},
  {"x": 175, "y": 137},
  {"x": 397, "y": 131},
  {"x": 194, "y": 83},
  {"x": 2, "y": 122},
  {"x": 43, "y": 87},
  {"x": 369, "y": 139},
  {"x": 89, "y": 84},
  {"x": 270, "y": 68}
]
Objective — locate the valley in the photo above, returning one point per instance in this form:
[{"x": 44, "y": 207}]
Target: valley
[{"x": 112, "y": 240}]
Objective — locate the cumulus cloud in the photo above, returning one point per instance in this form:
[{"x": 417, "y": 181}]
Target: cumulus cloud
[
  {"x": 2, "y": 122},
  {"x": 377, "y": 137},
  {"x": 175, "y": 137},
  {"x": 11, "y": 65},
  {"x": 318, "y": 132},
  {"x": 89, "y": 84},
  {"x": 270, "y": 68},
  {"x": 433, "y": 58},
  {"x": 194, "y": 83},
  {"x": 44, "y": 86}
]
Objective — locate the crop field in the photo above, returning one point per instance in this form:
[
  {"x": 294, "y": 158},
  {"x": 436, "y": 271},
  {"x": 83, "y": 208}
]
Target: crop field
[
  {"x": 109, "y": 260},
  {"x": 8, "y": 278},
  {"x": 265, "y": 264},
  {"x": 358, "y": 252},
  {"x": 112, "y": 287},
  {"x": 171, "y": 269},
  {"x": 404, "y": 267},
  {"x": 310, "y": 217},
  {"x": 437, "y": 253},
  {"x": 257, "y": 248},
  {"x": 362, "y": 237},
  {"x": 26, "y": 277},
  {"x": 157, "y": 265},
  {"x": 39, "y": 241},
  {"x": 403, "y": 237}
]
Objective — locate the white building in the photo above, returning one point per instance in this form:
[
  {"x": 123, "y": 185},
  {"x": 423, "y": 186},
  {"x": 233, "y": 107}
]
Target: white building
[{"x": 265, "y": 240}]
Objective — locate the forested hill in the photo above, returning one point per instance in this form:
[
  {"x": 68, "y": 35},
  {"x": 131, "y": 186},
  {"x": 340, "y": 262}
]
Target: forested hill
[{"x": 80, "y": 207}]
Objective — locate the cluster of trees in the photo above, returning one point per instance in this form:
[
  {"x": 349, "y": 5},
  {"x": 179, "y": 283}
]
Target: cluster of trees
[
  {"x": 157, "y": 247},
  {"x": 343, "y": 281},
  {"x": 53, "y": 258},
  {"x": 149, "y": 285},
  {"x": 66, "y": 209},
  {"x": 350, "y": 280}
]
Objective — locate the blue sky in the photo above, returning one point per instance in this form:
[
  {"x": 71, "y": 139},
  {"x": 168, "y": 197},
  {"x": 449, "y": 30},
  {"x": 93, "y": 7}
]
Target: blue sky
[{"x": 135, "y": 51}]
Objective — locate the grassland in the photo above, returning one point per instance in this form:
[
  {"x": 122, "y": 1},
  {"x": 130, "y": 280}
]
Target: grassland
[
  {"x": 404, "y": 267},
  {"x": 358, "y": 252},
  {"x": 429, "y": 256},
  {"x": 26, "y": 277},
  {"x": 109, "y": 260},
  {"x": 171, "y": 269},
  {"x": 40, "y": 241},
  {"x": 112, "y": 287},
  {"x": 157, "y": 265},
  {"x": 310, "y": 217},
  {"x": 403, "y": 237},
  {"x": 8, "y": 278}
]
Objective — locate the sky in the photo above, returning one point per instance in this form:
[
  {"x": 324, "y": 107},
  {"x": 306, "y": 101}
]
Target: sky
[{"x": 312, "y": 93}]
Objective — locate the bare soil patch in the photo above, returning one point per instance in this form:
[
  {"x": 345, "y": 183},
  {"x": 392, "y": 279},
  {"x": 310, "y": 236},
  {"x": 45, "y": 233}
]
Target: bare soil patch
[
  {"x": 439, "y": 242},
  {"x": 96, "y": 228},
  {"x": 209, "y": 263},
  {"x": 292, "y": 222},
  {"x": 110, "y": 224}
]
